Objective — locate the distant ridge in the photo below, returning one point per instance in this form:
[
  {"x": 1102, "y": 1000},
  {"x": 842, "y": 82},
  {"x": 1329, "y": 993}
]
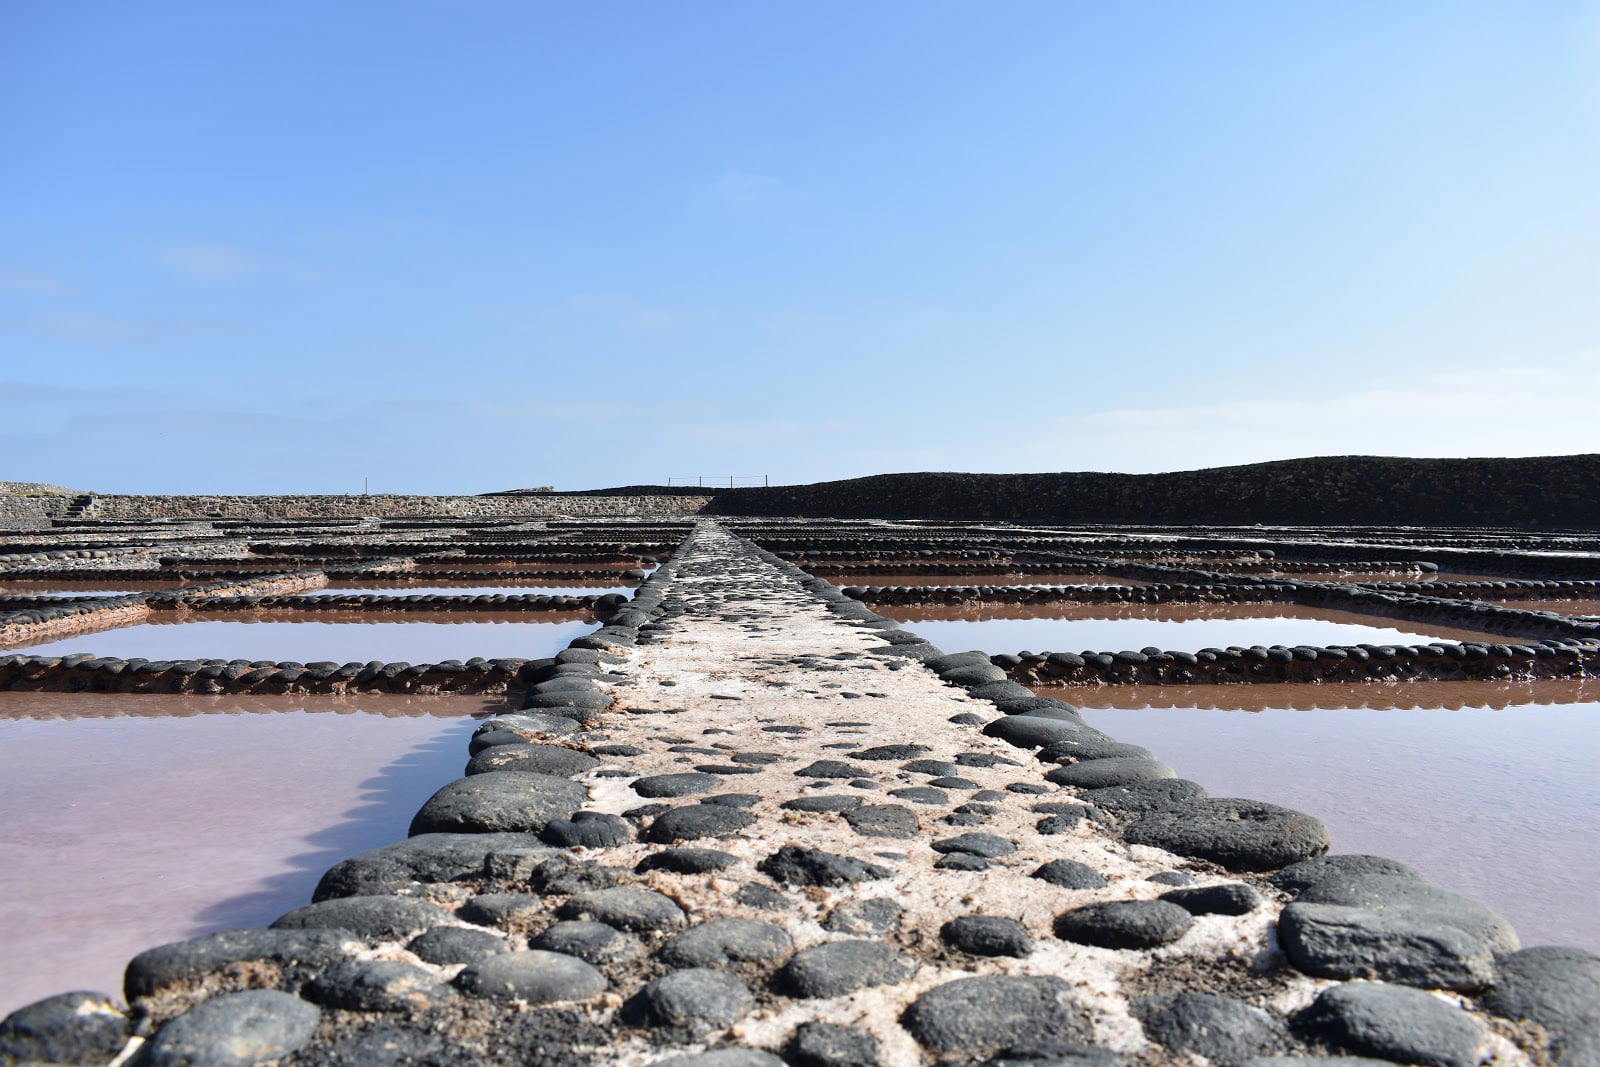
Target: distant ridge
[{"x": 1544, "y": 491}]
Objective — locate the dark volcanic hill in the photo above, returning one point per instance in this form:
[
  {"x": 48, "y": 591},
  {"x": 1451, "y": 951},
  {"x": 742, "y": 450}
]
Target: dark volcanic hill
[{"x": 1544, "y": 491}]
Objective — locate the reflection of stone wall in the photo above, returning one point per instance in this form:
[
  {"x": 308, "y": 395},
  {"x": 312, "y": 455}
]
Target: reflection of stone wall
[{"x": 1555, "y": 491}]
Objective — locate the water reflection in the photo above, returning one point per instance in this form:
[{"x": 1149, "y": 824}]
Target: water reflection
[
  {"x": 187, "y": 818},
  {"x": 1489, "y": 789},
  {"x": 546, "y": 589},
  {"x": 343, "y": 637},
  {"x": 997, "y": 628}
]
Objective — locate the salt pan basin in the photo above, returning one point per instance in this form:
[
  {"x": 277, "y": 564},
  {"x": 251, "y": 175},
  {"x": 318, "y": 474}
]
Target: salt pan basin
[
  {"x": 1002, "y": 628},
  {"x": 311, "y": 640},
  {"x": 134, "y": 820},
  {"x": 1489, "y": 789}
]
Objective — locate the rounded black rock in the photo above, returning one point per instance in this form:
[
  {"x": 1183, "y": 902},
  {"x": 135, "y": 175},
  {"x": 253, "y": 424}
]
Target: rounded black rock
[
  {"x": 446, "y": 945},
  {"x": 69, "y": 1028},
  {"x": 818, "y": 1044},
  {"x": 534, "y": 976},
  {"x": 697, "y": 1000},
  {"x": 235, "y": 1029},
  {"x": 591, "y": 942},
  {"x": 1124, "y": 924},
  {"x": 1219, "y": 1028},
  {"x": 835, "y": 968},
  {"x": 724, "y": 943},
  {"x": 987, "y": 935}
]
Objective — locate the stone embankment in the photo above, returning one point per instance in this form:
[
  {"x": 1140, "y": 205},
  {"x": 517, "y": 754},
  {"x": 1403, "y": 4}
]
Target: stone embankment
[
  {"x": 750, "y": 823},
  {"x": 534, "y": 505}
]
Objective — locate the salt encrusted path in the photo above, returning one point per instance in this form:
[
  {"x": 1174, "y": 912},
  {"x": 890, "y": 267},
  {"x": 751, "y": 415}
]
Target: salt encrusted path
[
  {"x": 750, "y": 823},
  {"x": 758, "y": 666}
]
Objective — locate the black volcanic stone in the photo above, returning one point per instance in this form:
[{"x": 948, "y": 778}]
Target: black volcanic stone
[
  {"x": 534, "y": 976},
  {"x": 723, "y": 943},
  {"x": 378, "y": 985},
  {"x": 625, "y": 907},
  {"x": 445, "y": 945},
  {"x": 297, "y": 953},
  {"x": 974, "y": 1016},
  {"x": 1221, "y": 1029},
  {"x": 687, "y": 861},
  {"x": 369, "y": 918},
  {"x": 976, "y": 844},
  {"x": 696, "y": 1000},
  {"x": 499, "y": 801},
  {"x": 1241, "y": 835},
  {"x": 890, "y": 752},
  {"x": 825, "y": 802},
  {"x": 1558, "y": 988},
  {"x": 1070, "y": 874},
  {"x": 697, "y": 821},
  {"x": 883, "y": 820},
  {"x": 1393, "y": 1023},
  {"x": 262, "y": 1024},
  {"x": 543, "y": 759},
  {"x": 676, "y": 785},
  {"x": 920, "y": 794},
  {"x": 587, "y": 829},
  {"x": 1124, "y": 924},
  {"x": 831, "y": 1045},
  {"x": 827, "y": 768},
  {"x": 835, "y": 968},
  {"x": 867, "y": 916},
  {"x": 591, "y": 942},
  {"x": 797, "y": 865},
  {"x": 756, "y": 895},
  {"x": 987, "y": 935},
  {"x": 69, "y": 1028},
  {"x": 1235, "y": 898}
]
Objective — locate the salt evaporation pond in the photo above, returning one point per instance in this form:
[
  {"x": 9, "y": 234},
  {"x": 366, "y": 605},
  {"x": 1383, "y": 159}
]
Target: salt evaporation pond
[
  {"x": 574, "y": 589},
  {"x": 135, "y": 820},
  {"x": 1560, "y": 607},
  {"x": 1002, "y": 628},
  {"x": 312, "y": 641},
  {"x": 1051, "y": 580},
  {"x": 1489, "y": 789}
]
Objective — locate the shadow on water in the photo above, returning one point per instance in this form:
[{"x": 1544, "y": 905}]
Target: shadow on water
[{"x": 389, "y": 800}]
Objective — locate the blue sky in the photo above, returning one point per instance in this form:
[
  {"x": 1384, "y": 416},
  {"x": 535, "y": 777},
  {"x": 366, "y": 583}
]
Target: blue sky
[{"x": 461, "y": 247}]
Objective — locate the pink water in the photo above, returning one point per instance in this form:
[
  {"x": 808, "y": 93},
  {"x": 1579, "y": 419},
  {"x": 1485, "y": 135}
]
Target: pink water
[
  {"x": 392, "y": 640},
  {"x": 1489, "y": 790},
  {"x": 131, "y": 821},
  {"x": 571, "y": 589},
  {"x": 1002, "y": 628}
]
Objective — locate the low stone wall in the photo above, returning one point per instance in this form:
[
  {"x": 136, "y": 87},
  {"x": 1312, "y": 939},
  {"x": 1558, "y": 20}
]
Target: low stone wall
[{"x": 380, "y": 506}]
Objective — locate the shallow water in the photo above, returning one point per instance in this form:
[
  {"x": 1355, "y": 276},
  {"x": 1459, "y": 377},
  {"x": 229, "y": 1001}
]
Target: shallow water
[
  {"x": 568, "y": 589},
  {"x": 71, "y": 592},
  {"x": 1001, "y": 628},
  {"x": 310, "y": 641},
  {"x": 1051, "y": 580},
  {"x": 1489, "y": 790},
  {"x": 131, "y": 821},
  {"x": 1563, "y": 607}
]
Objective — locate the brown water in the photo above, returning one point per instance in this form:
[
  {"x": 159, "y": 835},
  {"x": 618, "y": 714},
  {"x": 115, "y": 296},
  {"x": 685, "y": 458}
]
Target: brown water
[
  {"x": 1488, "y": 788},
  {"x": 1001, "y": 628},
  {"x": 341, "y": 637},
  {"x": 550, "y": 589},
  {"x": 1052, "y": 580},
  {"x": 1563, "y": 607},
  {"x": 131, "y": 821},
  {"x": 89, "y": 588}
]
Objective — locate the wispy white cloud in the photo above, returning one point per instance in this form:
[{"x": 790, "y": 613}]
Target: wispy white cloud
[
  {"x": 211, "y": 261},
  {"x": 1513, "y": 410}
]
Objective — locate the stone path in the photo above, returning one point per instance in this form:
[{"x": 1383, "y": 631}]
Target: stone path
[{"x": 751, "y": 823}]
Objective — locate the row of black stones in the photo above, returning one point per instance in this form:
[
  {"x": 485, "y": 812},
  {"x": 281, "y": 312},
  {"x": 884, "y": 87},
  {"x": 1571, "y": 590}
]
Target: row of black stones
[{"x": 1350, "y": 917}]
